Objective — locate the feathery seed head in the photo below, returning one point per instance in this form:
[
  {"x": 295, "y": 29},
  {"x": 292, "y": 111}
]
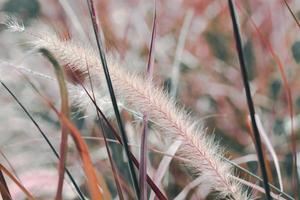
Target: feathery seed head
[
  {"x": 12, "y": 24},
  {"x": 140, "y": 94}
]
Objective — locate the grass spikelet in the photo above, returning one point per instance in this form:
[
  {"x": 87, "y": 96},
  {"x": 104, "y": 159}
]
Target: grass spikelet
[
  {"x": 141, "y": 94},
  {"x": 13, "y": 25}
]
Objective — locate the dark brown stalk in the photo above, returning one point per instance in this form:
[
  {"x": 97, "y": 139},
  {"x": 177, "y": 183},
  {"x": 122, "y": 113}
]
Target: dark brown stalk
[
  {"x": 24, "y": 190},
  {"x": 4, "y": 188},
  {"x": 292, "y": 13}
]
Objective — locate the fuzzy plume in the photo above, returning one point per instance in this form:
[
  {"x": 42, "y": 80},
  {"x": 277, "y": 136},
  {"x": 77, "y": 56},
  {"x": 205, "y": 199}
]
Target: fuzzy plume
[
  {"x": 139, "y": 93},
  {"x": 12, "y": 24}
]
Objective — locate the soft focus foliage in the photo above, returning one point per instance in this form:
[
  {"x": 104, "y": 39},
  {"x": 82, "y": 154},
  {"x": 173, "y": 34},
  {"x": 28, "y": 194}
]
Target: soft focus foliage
[{"x": 209, "y": 88}]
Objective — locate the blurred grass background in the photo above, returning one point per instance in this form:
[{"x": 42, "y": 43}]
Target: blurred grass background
[{"x": 209, "y": 84}]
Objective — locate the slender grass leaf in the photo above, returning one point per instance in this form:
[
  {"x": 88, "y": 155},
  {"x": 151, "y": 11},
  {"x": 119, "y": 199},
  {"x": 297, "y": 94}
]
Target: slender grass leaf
[{"x": 258, "y": 144}]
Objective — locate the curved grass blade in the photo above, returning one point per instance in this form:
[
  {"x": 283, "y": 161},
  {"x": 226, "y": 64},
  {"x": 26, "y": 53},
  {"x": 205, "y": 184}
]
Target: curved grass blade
[
  {"x": 81, "y": 146},
  {"x": 264, "y": 150},
  {"x": 257, "y": 188},
  {"x": 164, "y": 164},
  {"x": 10, "y": 165},
  {"x": 258, "y": 144},
  {"x": 289, "y": 98},
  {"x": 280, "y": 192},
  {"x": 4, "y": 188},
  {"x": 113, "y": 98},
  {"x": 29, "y": 196},
  {"x": 59, "y": 72},
  {"x": 84, "y": 154},
  {"x": 271, "y": 149},
  {"x": 150, "y": 182},
  {"x": 46, "y": 139},
  {"x": 179, "y": 51}
]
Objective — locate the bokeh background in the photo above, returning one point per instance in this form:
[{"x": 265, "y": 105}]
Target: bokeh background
[{"x": 194, "y": 52}]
